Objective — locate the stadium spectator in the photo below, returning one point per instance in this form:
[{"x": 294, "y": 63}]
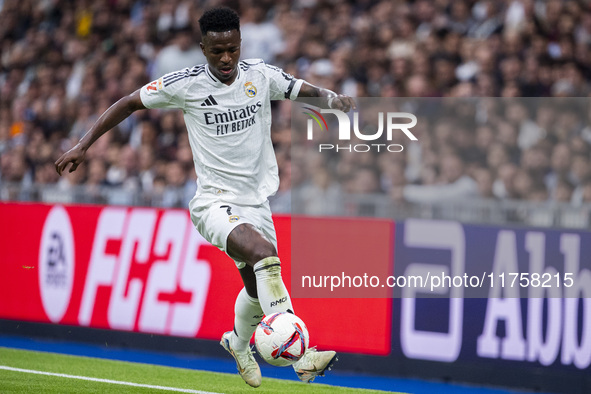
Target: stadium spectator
[
  {"x": 123, "y": 171},
  {"x": 176, "y": 179},
  {"x": 393, "y": 174},
  {"x": 84, "y": 120},
  {"x": 484, "y": 180},
  {"x": 365, "y": 180},
  {"x": 504, "y": 185},
  {"x": 560, "y": 163},
  {"x": 183, "y": 51},
  {"x": 453, "y": 184},
  {"x": 563, "y": 192},
  {"x": 97, "y": 174},
  {"x": 586, "y": 192},
  {"x": 96, "y": 181},
  {"x": 537, "y": 192},
  {"x": 261, "y": 38},
  {"x": 535, "y": 160},
  {"x": 281, "y": 201},
  {"x": 498, "y": 154},
  {"x": 321, "y": 195},
  {"x": 580, "y": 169},
  {"x": 524, "y": 183},
  {"x": 146, "y": 171}
]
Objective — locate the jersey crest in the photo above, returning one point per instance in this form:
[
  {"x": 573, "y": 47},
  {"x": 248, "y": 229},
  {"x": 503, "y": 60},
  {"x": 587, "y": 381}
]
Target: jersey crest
[{"x": 250, "y": 89}]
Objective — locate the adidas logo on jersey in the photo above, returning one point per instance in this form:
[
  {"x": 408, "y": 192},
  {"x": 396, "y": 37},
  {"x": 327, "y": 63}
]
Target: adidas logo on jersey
[{"x": 209, "y": 101}]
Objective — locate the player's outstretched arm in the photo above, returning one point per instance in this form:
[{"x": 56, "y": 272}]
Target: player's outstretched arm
[
  {"x": 328, "y": 98},
  {"x": 114, "y": 115}
]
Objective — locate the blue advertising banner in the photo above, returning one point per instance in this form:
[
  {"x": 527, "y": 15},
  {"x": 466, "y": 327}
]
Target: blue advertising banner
[{"x": 516, "y": 299}]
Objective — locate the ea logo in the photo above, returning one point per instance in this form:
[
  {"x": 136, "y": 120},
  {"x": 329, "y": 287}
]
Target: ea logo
[{"x": 56, "y": 263}]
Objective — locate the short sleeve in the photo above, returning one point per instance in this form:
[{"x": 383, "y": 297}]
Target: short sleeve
[
  {"x": 281, "y": 84},
  {"x": 166, "y": 92}
]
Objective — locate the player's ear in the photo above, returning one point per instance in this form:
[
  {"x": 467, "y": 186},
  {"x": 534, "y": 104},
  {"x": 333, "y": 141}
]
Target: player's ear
[{"x": 202, "y": 47}]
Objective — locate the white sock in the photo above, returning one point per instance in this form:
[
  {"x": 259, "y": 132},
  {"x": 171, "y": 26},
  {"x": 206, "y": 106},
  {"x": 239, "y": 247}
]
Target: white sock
[
  {"x": 247, "y": 315},
  {"x": 273, "y": 295}
]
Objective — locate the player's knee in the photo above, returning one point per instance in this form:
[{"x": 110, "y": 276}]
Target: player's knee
[{"x": 261, "y": 251}]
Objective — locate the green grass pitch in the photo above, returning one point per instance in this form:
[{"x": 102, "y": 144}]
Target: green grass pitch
[{"x": 139, "y": 375}]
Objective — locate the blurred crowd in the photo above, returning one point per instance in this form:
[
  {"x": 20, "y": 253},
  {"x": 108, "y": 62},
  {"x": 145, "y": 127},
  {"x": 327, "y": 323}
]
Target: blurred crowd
[
  {"x": 63, "y": 63},
  {"x": 535, "y": 150}
]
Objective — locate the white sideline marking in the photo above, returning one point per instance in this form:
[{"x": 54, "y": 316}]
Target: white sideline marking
[{"x": 63, "y": 375}]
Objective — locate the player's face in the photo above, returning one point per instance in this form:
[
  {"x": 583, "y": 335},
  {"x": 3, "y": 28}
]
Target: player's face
[{"x": 222, "y": 51}]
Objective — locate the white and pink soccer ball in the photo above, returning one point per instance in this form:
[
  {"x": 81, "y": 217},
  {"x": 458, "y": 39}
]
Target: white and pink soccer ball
[{"x": 281, "y": 339}]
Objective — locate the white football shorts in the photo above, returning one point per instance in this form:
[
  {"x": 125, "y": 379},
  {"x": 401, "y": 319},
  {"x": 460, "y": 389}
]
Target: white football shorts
[{"x": 216, "y": 220}]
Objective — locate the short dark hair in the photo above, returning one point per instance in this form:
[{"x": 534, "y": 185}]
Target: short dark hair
[{"x": 219, "y": 19}]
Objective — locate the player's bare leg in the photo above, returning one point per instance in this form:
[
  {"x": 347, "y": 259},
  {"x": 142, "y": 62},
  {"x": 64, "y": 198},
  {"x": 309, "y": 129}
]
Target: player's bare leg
[
  {"x": 262, "y": 279},
  {"x": 247, "y": 244}
]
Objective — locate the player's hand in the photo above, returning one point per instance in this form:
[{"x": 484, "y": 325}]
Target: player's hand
[
  {"x": 342, "y": 102},
  {"x": 75, "y": 156}
]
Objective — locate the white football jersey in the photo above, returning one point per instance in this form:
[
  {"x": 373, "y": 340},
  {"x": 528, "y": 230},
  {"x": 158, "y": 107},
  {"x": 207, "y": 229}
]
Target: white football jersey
[{"x": 229, "y": 126}]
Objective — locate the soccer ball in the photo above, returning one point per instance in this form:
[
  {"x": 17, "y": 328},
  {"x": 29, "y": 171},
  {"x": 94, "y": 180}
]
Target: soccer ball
[{"x": 281, "y": 338}]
